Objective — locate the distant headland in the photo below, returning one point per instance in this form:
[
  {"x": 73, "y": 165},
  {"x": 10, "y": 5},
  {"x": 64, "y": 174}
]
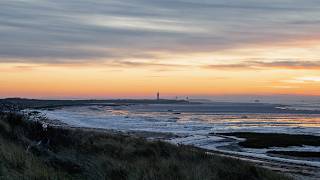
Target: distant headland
[{"x": 42, "y": 103}]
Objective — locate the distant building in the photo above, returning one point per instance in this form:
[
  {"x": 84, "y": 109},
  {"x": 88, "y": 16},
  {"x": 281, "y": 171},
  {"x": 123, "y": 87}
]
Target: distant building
[{"x": 158, "y": 96}]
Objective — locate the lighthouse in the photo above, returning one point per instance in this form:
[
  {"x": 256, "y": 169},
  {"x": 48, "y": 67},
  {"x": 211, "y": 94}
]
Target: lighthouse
[{"x": 158, "y": 96}]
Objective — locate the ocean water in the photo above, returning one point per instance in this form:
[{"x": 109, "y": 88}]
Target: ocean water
[{"x": 194, "y": 118}]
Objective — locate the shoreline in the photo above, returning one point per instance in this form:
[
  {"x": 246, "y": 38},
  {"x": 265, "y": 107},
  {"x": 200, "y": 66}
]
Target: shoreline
[
  {"x": 80, "y": 153},
  {"x": 294, "y": 168},
  {"x": 275, "y": 162}
]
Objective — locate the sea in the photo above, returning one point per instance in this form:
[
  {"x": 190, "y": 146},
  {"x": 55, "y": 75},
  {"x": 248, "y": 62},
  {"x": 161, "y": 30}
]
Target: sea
[{"x": 195, "y": 118}]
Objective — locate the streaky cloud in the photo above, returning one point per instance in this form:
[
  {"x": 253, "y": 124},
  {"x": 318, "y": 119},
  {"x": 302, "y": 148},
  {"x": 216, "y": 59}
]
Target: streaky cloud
[
  {"x": 80, "y": 31},
  {"x": 293, "y": 64}
]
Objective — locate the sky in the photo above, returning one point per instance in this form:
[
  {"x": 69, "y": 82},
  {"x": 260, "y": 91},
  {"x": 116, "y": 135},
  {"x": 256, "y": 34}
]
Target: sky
[{"x": 134, "y": 48}]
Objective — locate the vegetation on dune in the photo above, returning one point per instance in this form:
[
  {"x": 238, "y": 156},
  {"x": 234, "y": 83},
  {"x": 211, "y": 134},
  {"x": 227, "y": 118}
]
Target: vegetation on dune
[{"x": 76, "y": 154}]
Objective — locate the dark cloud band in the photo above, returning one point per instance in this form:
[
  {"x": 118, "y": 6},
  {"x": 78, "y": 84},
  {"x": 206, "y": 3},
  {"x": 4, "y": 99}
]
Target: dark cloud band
[{"x": 293, "y": 64}]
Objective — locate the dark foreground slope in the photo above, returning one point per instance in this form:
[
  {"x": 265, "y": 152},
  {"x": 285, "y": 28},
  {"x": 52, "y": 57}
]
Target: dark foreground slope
[{"x": 77, "y": 154}]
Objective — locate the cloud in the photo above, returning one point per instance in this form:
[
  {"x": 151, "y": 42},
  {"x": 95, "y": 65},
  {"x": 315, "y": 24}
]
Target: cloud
[
  {"x": 308, "y": 79},
  {"x": 303, "y": 80},
  {"x": 293, "y": 64},
  {"x": 290, "y": 64},
  {"x": 228, "y": 66},
  {"x": 81, "y": 31},
  {"x": 143, "y": 64},
  {"x": 160, "y": 67}
]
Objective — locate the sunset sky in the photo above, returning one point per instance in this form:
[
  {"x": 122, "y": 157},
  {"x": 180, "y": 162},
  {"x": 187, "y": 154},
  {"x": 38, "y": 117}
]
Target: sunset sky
[{"x": 133, "y": 48}]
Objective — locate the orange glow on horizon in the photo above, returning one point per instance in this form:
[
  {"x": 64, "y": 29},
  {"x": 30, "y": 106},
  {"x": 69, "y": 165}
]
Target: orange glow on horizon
[{"x": 187, "y": 76}]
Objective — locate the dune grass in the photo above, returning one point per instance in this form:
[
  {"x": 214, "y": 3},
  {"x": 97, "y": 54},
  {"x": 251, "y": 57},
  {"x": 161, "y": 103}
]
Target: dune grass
[{"x": 77, "y": 154}]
